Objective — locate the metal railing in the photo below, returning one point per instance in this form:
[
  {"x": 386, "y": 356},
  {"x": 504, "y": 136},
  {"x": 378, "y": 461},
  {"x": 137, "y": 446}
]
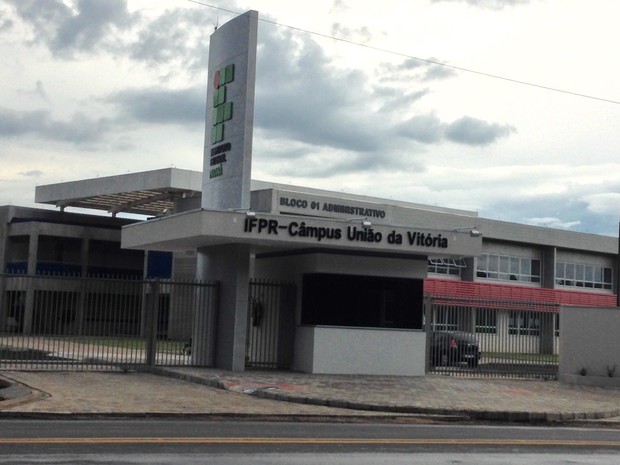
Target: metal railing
[
  {"x": 481, "y": 337},
  {"x": 61, "y": 322},
  {"x": 270, "y": 325}
]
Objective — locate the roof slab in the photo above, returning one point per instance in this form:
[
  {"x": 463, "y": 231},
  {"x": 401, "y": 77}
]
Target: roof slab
[{"x": 149, "y": 193}]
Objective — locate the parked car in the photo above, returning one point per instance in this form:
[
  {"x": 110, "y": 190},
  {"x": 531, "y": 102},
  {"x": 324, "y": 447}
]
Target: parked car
[{"x": 454, "y": 348}]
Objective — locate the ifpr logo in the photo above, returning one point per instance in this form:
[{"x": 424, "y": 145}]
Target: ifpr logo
[{"x": 222, "y": 108}]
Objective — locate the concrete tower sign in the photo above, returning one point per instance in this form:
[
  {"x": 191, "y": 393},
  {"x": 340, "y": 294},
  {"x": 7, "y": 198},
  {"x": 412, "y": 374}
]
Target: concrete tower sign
[{"x": 230, "y": 114}]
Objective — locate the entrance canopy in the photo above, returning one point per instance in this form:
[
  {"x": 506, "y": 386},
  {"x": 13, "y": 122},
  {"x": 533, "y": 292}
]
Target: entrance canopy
[
  {"x": 150, "y": 193},
  {"x": 281, "y": 218},
  {"x": 269, "y": 232}
]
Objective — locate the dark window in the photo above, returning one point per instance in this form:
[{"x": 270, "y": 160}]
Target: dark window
[
  {"x": 524, "y": 323},
  {"x": 363, "y": 301},
  {"x": 486, "y": 320}
]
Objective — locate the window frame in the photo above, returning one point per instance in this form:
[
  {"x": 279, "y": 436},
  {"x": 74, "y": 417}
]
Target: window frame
[
  {"x": 501, "y": 268},
  {"x": 575, "y": 275}
]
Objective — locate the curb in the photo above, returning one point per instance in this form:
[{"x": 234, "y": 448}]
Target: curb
[
  {"x": 444, "y": 414},
  {"x": 13, "y": 393},
  {"x": 494, "y": 416}
]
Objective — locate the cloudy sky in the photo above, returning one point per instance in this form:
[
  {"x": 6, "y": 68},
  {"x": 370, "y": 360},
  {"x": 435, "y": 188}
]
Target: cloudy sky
[{"x": 510, "y": 108}]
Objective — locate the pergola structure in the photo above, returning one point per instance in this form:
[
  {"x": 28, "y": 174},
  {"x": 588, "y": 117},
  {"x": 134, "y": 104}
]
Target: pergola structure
[{"x": 153, "y": 193}]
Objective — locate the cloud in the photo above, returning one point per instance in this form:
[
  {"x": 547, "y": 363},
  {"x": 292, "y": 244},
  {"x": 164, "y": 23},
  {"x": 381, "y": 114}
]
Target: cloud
[
  {"x": 332, "y": 120},
  {"x": 39, "y": 92},
  {"x": 92, "y": 23},
  {"x": 66, "y": 30},
  {"x": 42, "y": 17},
  {"x": 429, "y": 129},
  {"x": 488, "y": 4},
  {"x": 552, "y": 222},
  {"x": 6, "y": 23},
  {"x": 420, "y": 69},
  {"x": 603, "y": 203},
  {"x": 177, "y": 36},
  {"x": 301, "y": 95},
  {"x": 32, "y": 173},
  {"x": 423, "y": 128},
  {"x": 394, "y": 100},
  {"x": 156, "y": 105},
  {"x": 338, "y": 121},
  {"x": 359, "y": 35},
  {"x": 472, "y": 131},
  {"x": 437, "y": 72},
  {"x": 161, "y": 105},
  {"x": 80, "y": 129},
  {"x": 566, "y": 210}
]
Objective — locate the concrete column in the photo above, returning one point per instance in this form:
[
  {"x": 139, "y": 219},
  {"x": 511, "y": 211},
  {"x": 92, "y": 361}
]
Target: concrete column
[
  {"x": 469, "y": 272},
  {"x": 547, "y": 332},
  {"x": 84, "y": 256},
  {"x": 81, "y": 306},
  {"x": 4, "y": 247},
  {"x": 145, "y": 296},
  {"x": 549, "y": 256},
  {"x": 547, "y": 329},
  {"x": 230, "y": 266},
  {"x": 4, "y": 238},
  {"x": 33, "y": 250}
]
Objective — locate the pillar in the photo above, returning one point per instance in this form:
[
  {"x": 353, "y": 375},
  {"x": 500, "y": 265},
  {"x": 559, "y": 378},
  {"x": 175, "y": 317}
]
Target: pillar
[
  {"x": 81, "y": 306},
  {"x": 33, "y": 250},
  {"x": 230, "y": 266}
]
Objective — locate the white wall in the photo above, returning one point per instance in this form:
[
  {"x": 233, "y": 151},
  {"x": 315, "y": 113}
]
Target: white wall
[
  {"x": 589, "y": 340},
  {"x": 365, "y": 351}
]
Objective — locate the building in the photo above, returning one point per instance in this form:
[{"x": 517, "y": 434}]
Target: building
[
  {"x": 361, "y": 266},
  {"x": 512, "y": 262}
]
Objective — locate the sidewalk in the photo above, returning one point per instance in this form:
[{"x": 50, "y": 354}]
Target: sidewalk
[{"x": 202, "y": 392}]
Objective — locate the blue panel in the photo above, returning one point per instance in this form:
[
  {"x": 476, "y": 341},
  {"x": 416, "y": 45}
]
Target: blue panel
[{"x": 159, "y": 265}]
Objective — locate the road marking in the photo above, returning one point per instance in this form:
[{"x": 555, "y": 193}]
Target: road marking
[{"x": 311, "y": 441}]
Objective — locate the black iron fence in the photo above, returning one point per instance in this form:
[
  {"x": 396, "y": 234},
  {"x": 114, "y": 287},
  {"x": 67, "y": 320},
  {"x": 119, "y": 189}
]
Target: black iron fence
[
  {"x": 270, "y": 325},
  {"x": 60, "y": 322},
  {"x": 476, "y": 337}
]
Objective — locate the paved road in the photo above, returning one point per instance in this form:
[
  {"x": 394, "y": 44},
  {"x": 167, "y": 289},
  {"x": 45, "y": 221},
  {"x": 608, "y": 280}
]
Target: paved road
[{"x": 156, "y": 441}]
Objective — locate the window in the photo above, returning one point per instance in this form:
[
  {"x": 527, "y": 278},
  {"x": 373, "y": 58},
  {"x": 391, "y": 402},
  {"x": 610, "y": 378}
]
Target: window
[
  {"x": 362, "y": 301},
  {"x": 508, "y": 268},
  {"x": 583, "y": 275},
  {"x": 446, "y": 319},
  {"x": 486, "y": 320},
  {"x": 446, "y": 266},
  {"x": 524, "y": 323}
]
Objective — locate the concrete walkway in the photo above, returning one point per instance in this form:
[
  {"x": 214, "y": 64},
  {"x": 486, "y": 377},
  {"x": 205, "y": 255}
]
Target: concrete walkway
[{"x": 279, "y": 394}]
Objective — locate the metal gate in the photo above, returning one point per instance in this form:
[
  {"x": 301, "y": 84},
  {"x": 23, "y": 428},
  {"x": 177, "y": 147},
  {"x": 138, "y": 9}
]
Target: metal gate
[
  {"x": 476, "y": 337},
  {"x": 60, "y": 322},
  {"x": 270, "y": 325}
]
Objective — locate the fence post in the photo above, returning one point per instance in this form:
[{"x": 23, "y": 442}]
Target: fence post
[
  {"x": 3, "y": 303},
  {"x": 428, "y": 328},
  {"x": 151, "y": 322}
]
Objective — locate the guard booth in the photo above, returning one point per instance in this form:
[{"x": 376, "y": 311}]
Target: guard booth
[{"x": 358, "y": 305}]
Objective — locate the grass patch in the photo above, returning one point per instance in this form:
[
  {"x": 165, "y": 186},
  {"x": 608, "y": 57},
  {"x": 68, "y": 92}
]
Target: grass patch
[
  {"x": 129, "y": 343},
  {"x": 540, "y": 358}
]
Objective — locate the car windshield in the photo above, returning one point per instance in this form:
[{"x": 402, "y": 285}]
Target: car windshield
[{"x": 464, "y": 336}]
